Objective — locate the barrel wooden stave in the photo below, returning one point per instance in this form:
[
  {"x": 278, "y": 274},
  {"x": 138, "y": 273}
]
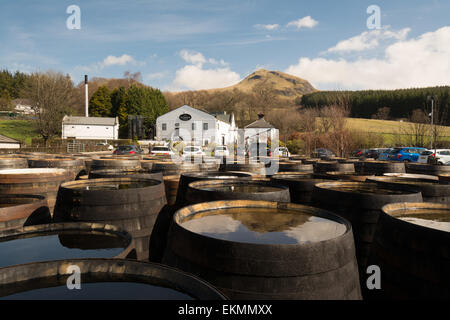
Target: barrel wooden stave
[
  {"x": 361, "y": 209},
  {"x": 252, "y": 271},
  {"x": 414, "y": 260},
  {"x": 34, "y": 181},
  {"x": 13, "y": 163},
  {"x": 28, "y": 210}
]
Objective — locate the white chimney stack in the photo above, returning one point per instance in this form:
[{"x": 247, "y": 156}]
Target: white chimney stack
[{"x": 86, "y": 92}]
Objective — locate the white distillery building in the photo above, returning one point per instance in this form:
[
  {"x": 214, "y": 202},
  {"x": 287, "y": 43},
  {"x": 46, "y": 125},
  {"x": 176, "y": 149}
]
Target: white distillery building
[
  {"x": 8, "y": 143},
  {"x": 90, "y": 128},
  {"x": 260, "y": 130},
  {"x": 196, "y": 126}
]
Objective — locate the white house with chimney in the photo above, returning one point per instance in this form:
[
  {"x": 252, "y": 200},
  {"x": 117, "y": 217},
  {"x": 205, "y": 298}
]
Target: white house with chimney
[
  {"x": 90, "y": 128},
  {"x": 196, "y": 126},
  {"x": 260, "y": 130},
  {"x": 23, "y": 106}
]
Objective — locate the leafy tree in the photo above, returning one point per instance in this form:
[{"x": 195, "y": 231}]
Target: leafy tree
[
  {"x": 119, "y": 109},
  {"x": 5, "y": 101},
  {"x": 147, "y": 102},
  {"x": 100, "y": 103},
  {"x": 18, "y": 84},
  {"x": 12, "y": 83}
]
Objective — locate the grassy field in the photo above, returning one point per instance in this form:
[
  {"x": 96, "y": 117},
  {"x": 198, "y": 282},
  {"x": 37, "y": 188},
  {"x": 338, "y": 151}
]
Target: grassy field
[
  {"x": 22, "y": 130},
  {"x": 390, "y": 129},
  {"x": 382, "y": 126}
]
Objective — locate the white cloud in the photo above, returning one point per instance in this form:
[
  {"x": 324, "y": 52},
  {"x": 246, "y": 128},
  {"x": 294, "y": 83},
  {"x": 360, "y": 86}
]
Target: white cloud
[
  {"x": 369, "y": 40},
  {"x": 196, "y": 77},
  {"x": 192, "y": 57},
  {"x": 217, "y": 224},
  {"x": 419, "y": 62},
  {"x": 113, "y": 60},
  {"x": 109, "y": 61},
  {"x": 305, "y": 22},
  {"x": 269, "y": 27}
]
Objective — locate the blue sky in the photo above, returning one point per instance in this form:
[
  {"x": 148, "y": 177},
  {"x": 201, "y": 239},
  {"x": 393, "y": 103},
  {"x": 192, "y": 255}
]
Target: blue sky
[{"x": 200, "y": 44}]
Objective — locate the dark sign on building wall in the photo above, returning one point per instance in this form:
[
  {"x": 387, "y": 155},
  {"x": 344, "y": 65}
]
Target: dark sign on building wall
[{"x": 185, "y": 117}]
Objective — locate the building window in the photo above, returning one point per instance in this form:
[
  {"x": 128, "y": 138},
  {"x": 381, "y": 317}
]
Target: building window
[
  {"x": 193, "y": 126},
  {"x": 205, "y": 126},
  {"x": 164, "y": 127}
]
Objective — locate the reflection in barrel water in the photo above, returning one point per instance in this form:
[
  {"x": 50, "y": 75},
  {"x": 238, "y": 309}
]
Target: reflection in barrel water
[{"x": 264, "y": 226}]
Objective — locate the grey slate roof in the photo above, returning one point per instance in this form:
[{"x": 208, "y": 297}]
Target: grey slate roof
[
  {"x": 260, "y": 123},
  {"x": 89, "y": 120},
  {"x": 222, "y": 116},
  {"x": 5, "y": 139}
]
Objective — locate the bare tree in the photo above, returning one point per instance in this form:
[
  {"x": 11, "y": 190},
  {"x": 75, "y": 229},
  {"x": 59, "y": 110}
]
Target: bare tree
[
  {"x": 51, "y": 95},
  {"x": 325, "y": 119},
  {"x": 286, "y": 120},
  {"x": 265, "y": 96},
  {"x": 439, "y": 120},
  {"x": 415, "y": 130},
  {"x": 333, "y": 119},
  {"x": 308, "y": 126},
  {"x": 132, "y": 77}
]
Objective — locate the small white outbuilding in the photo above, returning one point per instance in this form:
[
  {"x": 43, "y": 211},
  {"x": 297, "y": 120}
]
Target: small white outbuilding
[
  {"x": 260, "y": 130},
  {"x": 8, "y": 143},
  {"x": 90, "y": 128}
]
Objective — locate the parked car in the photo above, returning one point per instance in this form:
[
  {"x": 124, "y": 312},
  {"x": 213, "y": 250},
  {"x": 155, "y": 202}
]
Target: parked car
[
  {"x": 322, "y": 153},
  {"x": 385, "y": 155},
  {"x": 423, "y": 157},
  {"x": 406, "y": 154},
  {"x": 442, "y": 156},
  {"x": 105, "y": 144},
  {"x": 375, "y": 152},
  {"x": 160, "y": 150},
  {"x": 130, "y": 149},
  {"x": 282, "y": 152},
  {"x": 221, "y": 151},
  {"x": 359, "y": 153},
  {"x": 192, "y": 151}
]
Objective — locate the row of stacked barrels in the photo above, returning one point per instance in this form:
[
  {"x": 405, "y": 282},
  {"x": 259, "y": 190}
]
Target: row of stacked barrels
[
  {"x": 360, "y": 192},
  {"x": 97, "y": 203},
  {"x": 155, "y": 199}
]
